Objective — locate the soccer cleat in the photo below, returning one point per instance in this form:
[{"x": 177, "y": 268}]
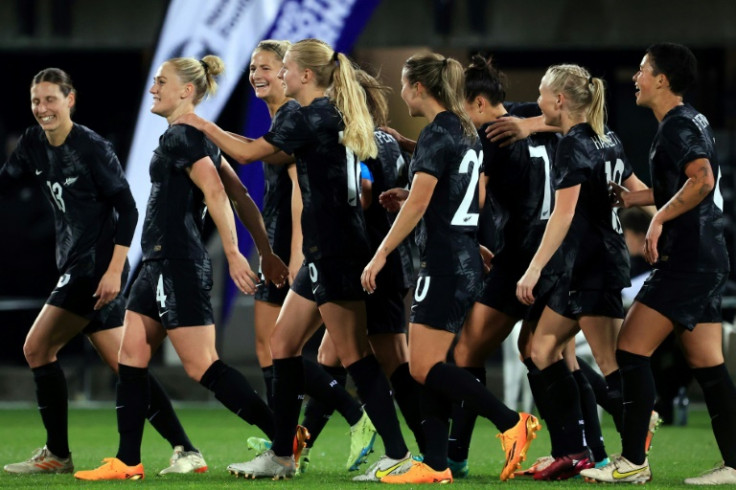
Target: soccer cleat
[
  {"x": 362, "y": 437},
  {"x": 516, "y": 441},
  {"x": 540, "y": 464},
  {"x": 459, "y": 469},
  {"x": 419, "y": 473},
  {"x": 304, "y": 461},
  {"x": 385, "y": 466},
  {"x": 113, "y": 469},
  {"x": 300, "y": 441},
  {"x": 42, "y": 461},
  {"x": 720, "y": 475},
  {"x": 185, "y": 462},
  {"x": 619, "y": 470},
  {"x": 258, "y": 444},
  {"x": 565, "y": 467},
  {"x": 266, "y": 464},
  {"x": 654, "y": 422}
]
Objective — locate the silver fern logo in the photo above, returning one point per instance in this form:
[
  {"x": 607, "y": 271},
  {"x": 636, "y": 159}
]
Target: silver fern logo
[{"x": 70, "y": 180}]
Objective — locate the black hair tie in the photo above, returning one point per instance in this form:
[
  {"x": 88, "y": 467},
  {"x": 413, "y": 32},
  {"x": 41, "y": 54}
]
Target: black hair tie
[
  {"x": 590, "y": 80},
  {"x": 334, "y": 56},
  {"x": 205, "y": 66}
]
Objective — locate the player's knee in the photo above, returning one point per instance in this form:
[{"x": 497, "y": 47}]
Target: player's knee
[{"x": 36, "y": 355}]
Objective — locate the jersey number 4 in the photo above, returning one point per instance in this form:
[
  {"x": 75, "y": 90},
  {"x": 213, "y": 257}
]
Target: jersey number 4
[{"x": 471, "y": 163}]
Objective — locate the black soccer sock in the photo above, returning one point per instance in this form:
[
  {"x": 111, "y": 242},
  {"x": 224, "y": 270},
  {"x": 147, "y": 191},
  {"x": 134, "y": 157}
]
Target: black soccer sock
[
  {"x": 268, "y": 381},
  {"x": 589, "y": 408},
  {"x": 460, "y": 386},
  {"x": 638, "y": 395},
  {"x": 596, "y": 381},
  {"x": 561, "y": 392},
  {"x": 615, "y": 399},
  {"x": 316, "y": 416},
  {"x": 375, "y": 392},
  {"x": 320, "y": 385},
  {"x": 720, "y": 398},
  {"x": 407, "y": 393},
  {"x": 53, "y": 402},
  {"x": 132, "y": 400},
  {"x": 162, "y": 417},
  {"x": 463, "y": 422},
  {"x": 232, "y": 390},
  {"x": 540, "y": 399},
  {"x": 436, "y": 410},
  {"x": 288, "y": 393}
]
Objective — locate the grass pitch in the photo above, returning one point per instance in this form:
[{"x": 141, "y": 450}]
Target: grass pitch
[{"x": 678, "y": 452}]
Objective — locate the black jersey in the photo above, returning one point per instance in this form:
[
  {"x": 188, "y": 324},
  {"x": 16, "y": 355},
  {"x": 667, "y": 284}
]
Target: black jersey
[
  {"x": 329, "y": 179},
  {"x": 78, "y": 177},
  {"x": 446, "y": 235},
  {"x": 277, "y": 198},
  {"x": 388, "y": 169},
  {"x": 520, "y": 187},
  {"x": 175, "y": 212},
  {"x": 694, "y": 240},
  {"x": 594, "y": 243}
]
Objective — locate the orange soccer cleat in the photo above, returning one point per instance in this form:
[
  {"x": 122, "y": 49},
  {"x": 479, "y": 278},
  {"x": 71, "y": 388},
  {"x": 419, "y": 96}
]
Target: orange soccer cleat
[
  {"x": 420, "y": 473},
  {"x": 516, "y": 441},
  {"x": 113, "y": 469}
]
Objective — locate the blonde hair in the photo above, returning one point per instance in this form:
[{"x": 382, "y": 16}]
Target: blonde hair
[
  {"x": 334, "y": 71},
  {"x": 376, "y": 96},
  {"x": 444, "y": 79},
  {"x": 274, "y": 46},
  {"x": 585, "y": 94},
  {"x": 200, "y": 73}
]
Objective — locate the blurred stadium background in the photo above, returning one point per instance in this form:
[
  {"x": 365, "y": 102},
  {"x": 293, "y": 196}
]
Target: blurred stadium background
[{"x": 108, "y": 47}]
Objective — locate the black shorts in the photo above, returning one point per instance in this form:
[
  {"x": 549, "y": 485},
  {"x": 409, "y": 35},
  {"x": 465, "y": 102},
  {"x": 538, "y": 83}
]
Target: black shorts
[
  {"x": 597, "y": 302},
  {"x": 269, "y": 293},
  {"x": 73, "y": 293},
  {"x": 385, "y": 311},
  {"x": 499, "y": 292},
  {"x": 329, "y": 280},
  {"x": 175, "y": 293},
  {"x": 686, "y": 298},
  {"x": 554, "y": 291},
  {"x": 443, "y": 302}
]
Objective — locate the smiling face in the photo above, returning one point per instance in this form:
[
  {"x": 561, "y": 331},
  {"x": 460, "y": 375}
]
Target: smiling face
[
  {"x": 50, "y": 107},
  {"x": 549, "y": 103},
  {"x": 167, "y": 90},
  {"x": 264, "y": 70},
  {"x": 645, "y": 82},
  {"x": 292, "y": 75}
]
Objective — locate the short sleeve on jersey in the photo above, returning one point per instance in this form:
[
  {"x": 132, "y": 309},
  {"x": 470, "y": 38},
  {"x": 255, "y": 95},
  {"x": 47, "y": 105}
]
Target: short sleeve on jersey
[
  {"x": 290, "y": 131},
  {"x": 683, "y": 141},
  {"x": 187, "y": 145},
  {"x": 572, "y": 166},
  {"x": 108, "y": 173},
  {"x": 429, "y": 156}
]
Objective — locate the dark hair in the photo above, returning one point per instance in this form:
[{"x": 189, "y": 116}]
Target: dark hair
[
  {"x": 677, "y": 63},
  {"x": 635, "y": 219},
  {"x": 56, "y": 76},
  {"x": 376, "y": 96},
  {"x": 484, "y": 79}
]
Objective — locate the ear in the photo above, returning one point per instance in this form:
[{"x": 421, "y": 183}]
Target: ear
[
  {"x": 419, "y": 88},
  {"x": 72, "y": 99},
  {"x": 480, "y": 103},
  {"x": 560, "y": 100},
  {"x": 187, "y": 90},
  {"x": 307, "y": 75}
]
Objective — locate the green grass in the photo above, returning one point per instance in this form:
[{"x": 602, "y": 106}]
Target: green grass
[{"x": 678, "y": 452}]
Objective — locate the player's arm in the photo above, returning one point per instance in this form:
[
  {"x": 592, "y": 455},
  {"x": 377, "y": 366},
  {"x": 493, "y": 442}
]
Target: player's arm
[
  {"x": 273, "y": 268},
  {"x": 700, "y": 182},
  {"x": 243, "y": 150},
  {"x": 296, "y": 258},
  {"x": 510, "y": 129},
  {"x": 411, "y": 212},
  {"x": 278, "y": 158},
  {"x": 204, "y": 175},
  {"x": 554, "y": 233},
  {"x": 405, "y": 143}
]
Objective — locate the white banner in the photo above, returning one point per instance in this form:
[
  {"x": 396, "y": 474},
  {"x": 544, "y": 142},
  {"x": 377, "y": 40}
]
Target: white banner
[{"x": 229, "y": 29}]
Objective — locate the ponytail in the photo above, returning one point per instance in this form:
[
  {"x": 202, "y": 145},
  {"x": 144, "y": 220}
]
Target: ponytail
[
  {"x": 586, "y": 95},
  {"x": 349, "y": 98}
]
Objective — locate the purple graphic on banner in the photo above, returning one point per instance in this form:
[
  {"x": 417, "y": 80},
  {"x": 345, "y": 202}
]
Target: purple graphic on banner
[{"x": 337, "y": 22}]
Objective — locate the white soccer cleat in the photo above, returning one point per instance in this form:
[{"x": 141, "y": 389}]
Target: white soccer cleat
[
  {"x": 264, "y": 465},
  {"x": 185, "y": 462},
  {"x": 385, "y": 466},
  {"x": 720, "y": 475},
  {"x": 42, "y": 461},
  {"x": 619, "y": 470}
]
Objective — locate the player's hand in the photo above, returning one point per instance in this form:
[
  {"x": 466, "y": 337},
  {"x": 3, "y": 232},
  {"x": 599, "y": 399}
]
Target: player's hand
[
  {"x": 651, "y": 254},
  {"x": 108, "y": 289},
  {"x": 525, "y": 286},
  {"x": 368, "y": 278},
  {"x": 242, "y": 275},
  {"x": 191, "y": 119},
  {"x": 486, "y": 256},
  {"x": 618, "y": 194},
  {"x": 274, "y": 270},
  {"x": 393, "y": 199},
  {"x": 507, "y": 130}
]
